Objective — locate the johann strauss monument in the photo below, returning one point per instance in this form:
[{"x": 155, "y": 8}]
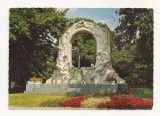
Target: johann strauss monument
[{"x": 68, "y": 80}]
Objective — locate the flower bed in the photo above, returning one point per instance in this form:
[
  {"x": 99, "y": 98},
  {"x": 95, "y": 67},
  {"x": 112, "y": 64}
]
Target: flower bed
[
  {"x": 93, "y": 102},
  {"x": 75, "y": 102},
  {"x": 140, "y": 104},
  {"x": 127, "y": 103},
  {"x": 113, "y": 103}
]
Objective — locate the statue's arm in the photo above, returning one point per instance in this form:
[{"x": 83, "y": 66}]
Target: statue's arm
[{"x": 66, "y": 64}]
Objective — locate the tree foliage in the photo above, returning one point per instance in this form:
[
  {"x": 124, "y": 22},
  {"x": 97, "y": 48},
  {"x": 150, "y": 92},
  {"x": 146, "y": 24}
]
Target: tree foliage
[
  {"x": 31, "y": 35},
  {"x": 134, "y": 44},
  {"x": 84, "y": 45}
]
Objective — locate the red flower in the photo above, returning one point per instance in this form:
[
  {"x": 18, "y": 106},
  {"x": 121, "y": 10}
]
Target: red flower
[
  {"x": 127, "y": 103},
  {"x": 75, "y": 102}
]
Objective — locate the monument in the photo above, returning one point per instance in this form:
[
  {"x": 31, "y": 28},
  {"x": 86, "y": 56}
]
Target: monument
[{"x": 68, "y": 80}]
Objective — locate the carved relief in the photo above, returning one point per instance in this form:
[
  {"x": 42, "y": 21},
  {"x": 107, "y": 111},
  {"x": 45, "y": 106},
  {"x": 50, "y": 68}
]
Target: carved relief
[
  {"x": 64, "y": 67},
  {"x": 84, "y": 24},
  {"x": 99, "y": 74},
  {"x": 90, "y": 26},
  {"x": 80, "y": 24}
]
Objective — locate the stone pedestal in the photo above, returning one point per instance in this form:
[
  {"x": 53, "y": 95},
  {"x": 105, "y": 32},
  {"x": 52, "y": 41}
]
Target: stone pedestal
[
  {"x": 71, "y": 89},
  {"x": 123, "y": 88},
  {"x": 77, "y": 77}
]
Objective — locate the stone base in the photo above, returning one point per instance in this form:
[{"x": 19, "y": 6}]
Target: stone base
[
  {"x": 123, "y": 88},
  {"x": 71, "y": 89}
]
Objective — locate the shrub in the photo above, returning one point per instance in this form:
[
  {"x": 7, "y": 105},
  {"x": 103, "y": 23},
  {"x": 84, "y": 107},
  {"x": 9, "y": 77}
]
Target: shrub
[
  {"x": 127, "y": 103},
  {"x": 93, "y": 102},
  {"x": 136, "y": 90},
  {"x": 75, "y": 102}
]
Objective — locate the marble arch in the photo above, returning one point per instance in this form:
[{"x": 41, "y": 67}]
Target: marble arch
[
  {"x": 101, "y": 35},
  {"x": 100, "y": 71}
]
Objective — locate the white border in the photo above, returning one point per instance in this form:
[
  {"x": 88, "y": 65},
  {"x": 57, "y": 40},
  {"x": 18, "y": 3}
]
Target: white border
[
  {"x": 81, "y": 3},
  {"x": 4, "y": 15}
]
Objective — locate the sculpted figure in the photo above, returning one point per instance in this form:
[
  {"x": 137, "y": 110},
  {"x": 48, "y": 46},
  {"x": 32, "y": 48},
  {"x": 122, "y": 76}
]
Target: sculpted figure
[
  {"x": 59, "y": 63},
  {"x": 112, "y": 75},
  {"x": 98, "y": 58},
  {"x": 81, "y": 24},
  {"x": 100, "y": 68}
]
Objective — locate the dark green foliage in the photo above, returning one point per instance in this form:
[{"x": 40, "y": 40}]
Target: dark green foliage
[
  {"x": 133, "y": 48},
  {"x": 31, "y": 51}
]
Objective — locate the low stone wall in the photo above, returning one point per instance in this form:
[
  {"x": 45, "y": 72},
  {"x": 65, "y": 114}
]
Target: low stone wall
[{"x": 71, "y": 89}]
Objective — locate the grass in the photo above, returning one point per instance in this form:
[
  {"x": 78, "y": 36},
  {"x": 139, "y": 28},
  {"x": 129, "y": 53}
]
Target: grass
[
  {"x": 146, "y": 94},
  {"x": 27, "y": 100}
]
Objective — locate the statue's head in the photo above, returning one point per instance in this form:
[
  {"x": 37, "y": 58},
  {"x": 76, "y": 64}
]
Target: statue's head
[
  {"x": 103, "y": 55},
  {"x": 65, "y": 57},
  {"x": 98, "y": 53},
  {"x": 92, "y": 65}
]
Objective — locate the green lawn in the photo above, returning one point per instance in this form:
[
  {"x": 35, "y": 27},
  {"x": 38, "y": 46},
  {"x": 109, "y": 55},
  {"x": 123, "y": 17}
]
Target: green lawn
[
  {"x": 147, "y": 94},
  {"x": 27, "y": 100}
]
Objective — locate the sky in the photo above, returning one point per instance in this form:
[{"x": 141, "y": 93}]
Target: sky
[{"x": 103, "y": 15}]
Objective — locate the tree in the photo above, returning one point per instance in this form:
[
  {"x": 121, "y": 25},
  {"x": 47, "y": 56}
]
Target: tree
[
  {"x": 136, "y": 31},
  {"x": 31, "y": 37},
  {"x": 84, "y": 50}
]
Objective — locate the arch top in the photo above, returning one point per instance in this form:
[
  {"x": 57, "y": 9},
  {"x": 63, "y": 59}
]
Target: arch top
[
  {"x": 83, "y": 25},
  {"x": 101, "y": 35}
]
